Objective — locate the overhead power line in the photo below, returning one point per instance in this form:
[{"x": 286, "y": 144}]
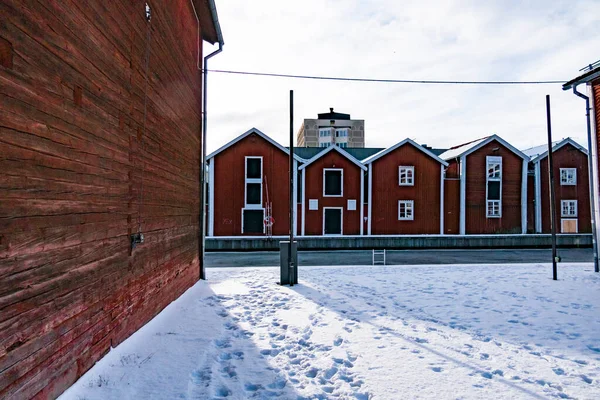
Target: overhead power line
[{"x": 414, "y": 81}]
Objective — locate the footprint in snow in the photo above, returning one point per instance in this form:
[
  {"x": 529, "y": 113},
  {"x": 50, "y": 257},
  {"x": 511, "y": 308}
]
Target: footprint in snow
[{"x": 437, "y": 369}]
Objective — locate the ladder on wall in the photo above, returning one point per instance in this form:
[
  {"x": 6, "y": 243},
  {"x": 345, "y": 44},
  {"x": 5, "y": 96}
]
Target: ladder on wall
[
  {"x": 379, "y": 257},
  {"x": 268, "y": 221}
]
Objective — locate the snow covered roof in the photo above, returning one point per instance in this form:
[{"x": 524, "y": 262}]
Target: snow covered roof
[
  {"x": 537, "y": 153},
  {"x": 339, "y": 150},
  {"x": 383, "y": 152},
  {"x": 259, "y": 133},
  {"x": 470, "y": 147}
]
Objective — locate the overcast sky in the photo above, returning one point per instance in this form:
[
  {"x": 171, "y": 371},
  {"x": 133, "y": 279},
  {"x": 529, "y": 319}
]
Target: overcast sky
[{"x": 393, "y": 39}]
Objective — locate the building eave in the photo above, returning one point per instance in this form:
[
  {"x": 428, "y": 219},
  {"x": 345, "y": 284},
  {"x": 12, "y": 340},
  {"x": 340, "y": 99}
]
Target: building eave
[{"x": 339, "y": 150}]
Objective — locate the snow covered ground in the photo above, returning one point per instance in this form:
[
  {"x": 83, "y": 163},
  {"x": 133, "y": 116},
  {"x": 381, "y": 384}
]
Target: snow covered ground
[{"x": 403, "y": 332}]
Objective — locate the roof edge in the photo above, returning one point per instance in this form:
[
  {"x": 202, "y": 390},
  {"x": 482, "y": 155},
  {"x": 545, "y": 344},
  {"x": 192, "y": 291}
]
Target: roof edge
[
  {"x": 339, "y": 150},
  {"x": 558, "y": 146},
  {"x": 384, "y": 152}
]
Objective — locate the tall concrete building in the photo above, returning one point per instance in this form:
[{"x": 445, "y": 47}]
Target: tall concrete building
[{"x": 332, "y": 128}]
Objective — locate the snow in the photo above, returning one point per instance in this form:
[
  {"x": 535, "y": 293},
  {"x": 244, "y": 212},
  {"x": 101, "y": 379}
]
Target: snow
[
  {"x": 385, "y": 332},
  {"x": 460, "y": 150}
]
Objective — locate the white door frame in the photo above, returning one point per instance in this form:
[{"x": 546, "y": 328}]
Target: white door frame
[{"x": 341, "y": 220}]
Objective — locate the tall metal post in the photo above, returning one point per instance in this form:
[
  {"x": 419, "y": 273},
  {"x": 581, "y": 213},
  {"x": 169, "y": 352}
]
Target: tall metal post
[
  {"x": 552, "y": 194},
  {"x": 292, "y": 200}
]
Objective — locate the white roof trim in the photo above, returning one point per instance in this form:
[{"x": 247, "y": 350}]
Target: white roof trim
[
  {"x": 382, "y": 153},
  {"x": 557, "y": 146},
  {"x": 339, "y": 150},
  {"x": 259, "y": 133},
  {"x": 451, "y": 154}
]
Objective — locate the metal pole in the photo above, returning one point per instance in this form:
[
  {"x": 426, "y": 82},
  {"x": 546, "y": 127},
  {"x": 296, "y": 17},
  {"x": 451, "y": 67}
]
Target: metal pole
[
  {"x": 591, "y": 176},
  {"x": 292, "y": 200},
  {"x": 552, "y": 194}
]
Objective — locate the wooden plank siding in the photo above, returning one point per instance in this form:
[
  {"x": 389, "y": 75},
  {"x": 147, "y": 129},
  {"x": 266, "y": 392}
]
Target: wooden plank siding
[
  {"x": 73, "y": 150},
  {"x": 476, "y": 207},
  {"x": 530, "y": 201},
  {"x": 596, "y": 101},
  {"x": 229, "y": 183},
  {"x": 314, "y": 190},
  {"x": 387, "y": 192},
  {"x": 451, "y": 205},
  {"x": 566, "y": 157}
]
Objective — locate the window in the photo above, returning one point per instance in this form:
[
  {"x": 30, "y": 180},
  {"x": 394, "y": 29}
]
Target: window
[
  {"x": 343, "y": 144},
  {"x": 325, "y": 132},
  {"x": 406, "y": 176},
  {"x": 406, "y": 210},
  {"x": 333, "y": 184},
  {"x": 341, "y": 133},
  {"x": 568, "y": 176},
  {"x": 324, "y": 144},
  {"x": 568, "y": 208},
  {"x": 493, "y": 190},
  {"x": 253, "y": 182}
]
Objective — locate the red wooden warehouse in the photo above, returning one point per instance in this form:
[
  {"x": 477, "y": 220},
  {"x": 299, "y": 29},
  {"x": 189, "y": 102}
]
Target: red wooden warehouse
[
  {"x": 493, "y": 186},
  {"x": 571, "y": 187},
  {"x": 405, "y": 191},
  {"x": 332, "y": 194},
  {"x": 249, "y": 187},
  {"x": 101, "y": 138}
]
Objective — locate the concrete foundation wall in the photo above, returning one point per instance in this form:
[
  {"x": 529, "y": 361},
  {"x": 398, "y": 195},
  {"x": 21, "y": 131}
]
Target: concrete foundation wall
[{"x": 401, "y": 242}]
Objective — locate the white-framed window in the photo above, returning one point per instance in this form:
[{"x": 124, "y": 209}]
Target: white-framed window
[
  {"x": 313, "y": 204},
  {"x": 325, "y": 132},
  {"x": 333, "y": 182},
  {"x": 568, "y": 208},
  {"x": 341, "y": 132},
  {"x": 253, "y": 182},
  {"x": 351, "y": 205},
  {"x": 493, "y": 208},
  {"x": 568, "y": 176},
  {"x": 406, "y": 210},
  {"x": 493, "y": 187},
  {"x": 342, "y": 144},
  {"x": 406, "y": 175},
  {"x": 324, "y": 144}
]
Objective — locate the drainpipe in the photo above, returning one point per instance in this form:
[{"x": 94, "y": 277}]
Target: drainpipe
[
  {"x": 213, "y": 11},
  {"x": 591, "y": 177}
]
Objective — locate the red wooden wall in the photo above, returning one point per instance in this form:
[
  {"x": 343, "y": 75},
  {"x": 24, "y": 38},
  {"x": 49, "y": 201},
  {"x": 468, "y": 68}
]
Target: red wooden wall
[
  {"x": 314, "y": 190},
  {"x": 596, "y": 94},
  {"x": 72, "y": 146},
  {"x": 229, "y": 182},
  {"x": 512, "y": 174},
  {"x": 530, "y": 202},
  {"x": 386, "y": 192},
  {"x": 452, "y": 206},
  {"x": 567, "y": 157}
]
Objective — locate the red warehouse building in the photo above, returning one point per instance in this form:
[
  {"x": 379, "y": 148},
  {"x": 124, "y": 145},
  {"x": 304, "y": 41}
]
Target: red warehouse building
[
  {"x": 332, "y": 194},
  {"x": 405, "y": 191},
  {"x": 100, "y": 140},
  {"x": 493, "y": 186},
  {"x": 249, "y": 187},
  {"x": 571, "y": 187}
]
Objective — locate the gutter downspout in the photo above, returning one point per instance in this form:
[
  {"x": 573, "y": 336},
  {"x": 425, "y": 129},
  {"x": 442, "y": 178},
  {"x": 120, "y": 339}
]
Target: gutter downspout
[
  {"x": 590, "y": 173},
  {"x": 213, "y": 11}
]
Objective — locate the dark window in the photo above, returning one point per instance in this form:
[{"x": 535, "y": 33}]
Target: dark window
[
  {"x": 253, "y": 193},
  {"x": 253, "y": 221},
  {"x": 333, "y": 183},
  {"x": 253, "y": 168},
  {"x": 493, "y": 190}
]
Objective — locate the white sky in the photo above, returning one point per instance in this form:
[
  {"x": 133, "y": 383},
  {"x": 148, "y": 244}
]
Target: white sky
[{"x": 393, "y": 39}]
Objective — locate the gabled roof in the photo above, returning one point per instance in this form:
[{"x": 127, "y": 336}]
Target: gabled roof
[
  {"x": 394, "y": 147},
  {"x": 330, "y": 149},
  {"x": 538, "y": 153},
  {"x": 471, "y": 147},
  {"x": 359, "y": 153},
  {"x": 248, "y": 133}
]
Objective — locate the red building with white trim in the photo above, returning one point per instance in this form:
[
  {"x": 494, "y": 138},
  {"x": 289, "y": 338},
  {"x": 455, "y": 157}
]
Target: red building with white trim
[
  {"x": 571, "y": 187},
  {"x": 405, "y": 191},
  {"x": 332, "y": 194},
  {"x": 247, "y": 176},
  {"x": 493, "y": 186}
]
